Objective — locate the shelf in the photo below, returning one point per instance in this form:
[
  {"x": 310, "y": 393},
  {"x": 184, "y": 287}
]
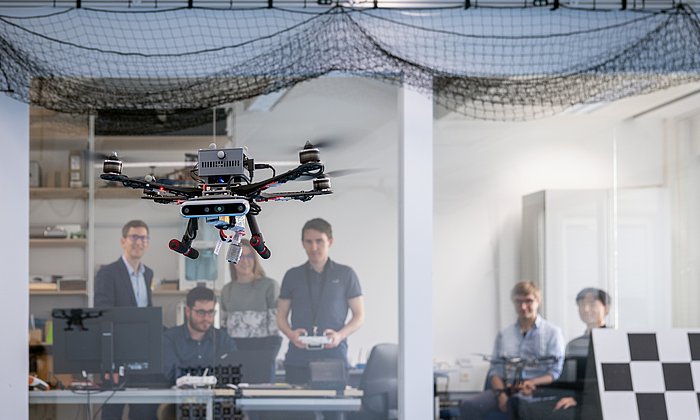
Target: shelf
[
  {"x": 58, "y": 192},
  {"x": 118, "y": 192},
  {"x": 63, "y": 243},
  {"x": 158, "y": 292},
  {"x": 58, "y": 292}
]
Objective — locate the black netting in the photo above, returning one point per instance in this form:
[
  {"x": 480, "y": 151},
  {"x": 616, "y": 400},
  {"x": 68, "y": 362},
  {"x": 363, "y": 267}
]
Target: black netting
[{"x": 492, "y": 63}]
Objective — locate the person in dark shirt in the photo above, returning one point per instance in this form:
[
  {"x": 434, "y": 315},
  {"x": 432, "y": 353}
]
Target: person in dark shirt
[
  {"x": 196, "y": 343},
  {"x": 314, "y": 300}
]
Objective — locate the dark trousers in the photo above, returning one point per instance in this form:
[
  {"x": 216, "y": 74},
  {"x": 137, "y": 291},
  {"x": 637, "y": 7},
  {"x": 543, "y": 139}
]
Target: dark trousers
[
  {"x": 483, "y": 406},
  {"x": 297, "y": 375}
]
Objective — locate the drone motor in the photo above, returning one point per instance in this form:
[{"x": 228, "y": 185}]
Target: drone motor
[
  {"x": 322, "y": 183},
  {"x": 309, "y": 154},
  {"x": 112, "y": 165}
]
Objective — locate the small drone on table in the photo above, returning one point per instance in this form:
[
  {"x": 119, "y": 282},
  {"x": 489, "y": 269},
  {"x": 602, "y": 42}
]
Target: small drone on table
[
  {"x": 225, "y": 194},
  {"x": 513, "y": 368}
]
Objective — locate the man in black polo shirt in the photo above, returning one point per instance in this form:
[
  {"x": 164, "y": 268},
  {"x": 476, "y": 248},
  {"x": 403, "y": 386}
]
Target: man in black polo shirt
[
  {"x": 196, "y": 343},
  {"x": 318, "y": 294}
]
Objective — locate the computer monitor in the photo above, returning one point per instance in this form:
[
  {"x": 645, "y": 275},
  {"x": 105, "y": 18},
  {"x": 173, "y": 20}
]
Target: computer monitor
[
  {"x": 108, "y": 340},
  {"x": 257, "y": 366}
]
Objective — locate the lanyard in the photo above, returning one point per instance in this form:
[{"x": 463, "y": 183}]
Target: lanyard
[{"x": 315, "y": 305}]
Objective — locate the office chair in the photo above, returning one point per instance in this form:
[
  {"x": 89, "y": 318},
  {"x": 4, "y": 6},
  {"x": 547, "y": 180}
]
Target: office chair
[{"x": 379, "y": 383}]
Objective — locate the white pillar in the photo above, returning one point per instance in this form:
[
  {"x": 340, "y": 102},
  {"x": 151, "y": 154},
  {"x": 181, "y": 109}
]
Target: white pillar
[
  {"x": 415, "y": 255},
  {"x": 14, "y": 257}
]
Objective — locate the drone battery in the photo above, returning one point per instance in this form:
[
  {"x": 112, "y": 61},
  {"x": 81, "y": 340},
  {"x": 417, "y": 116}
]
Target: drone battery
[{"x": 222, "y": 162}]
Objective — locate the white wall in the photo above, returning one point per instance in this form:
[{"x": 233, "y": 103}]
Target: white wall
[
  {"x": 14, "y": 258},
  {"x": 682, "y": 154}
]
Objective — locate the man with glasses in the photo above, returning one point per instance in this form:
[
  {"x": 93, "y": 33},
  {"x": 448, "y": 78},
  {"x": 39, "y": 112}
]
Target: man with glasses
[
  {"x": 196, "y": 343},
  {"x": 127, "y": 281},
  {"x": 531, "y": 344}
]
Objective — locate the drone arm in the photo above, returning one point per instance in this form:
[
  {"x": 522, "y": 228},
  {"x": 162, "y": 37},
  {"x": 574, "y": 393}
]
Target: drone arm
[
  {"x": 311, "y": 169},
  {"x": 256, "y": 238}
]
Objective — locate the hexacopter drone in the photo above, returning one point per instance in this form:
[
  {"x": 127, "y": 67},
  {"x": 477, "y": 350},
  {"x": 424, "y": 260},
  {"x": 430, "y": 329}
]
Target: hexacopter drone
[{"x": 225, "y": 194}]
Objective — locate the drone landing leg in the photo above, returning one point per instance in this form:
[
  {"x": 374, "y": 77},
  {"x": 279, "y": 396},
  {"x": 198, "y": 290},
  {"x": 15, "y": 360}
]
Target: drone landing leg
[
  {"x": 256, "y": 238},
  {"x": 185, "y": 247}
]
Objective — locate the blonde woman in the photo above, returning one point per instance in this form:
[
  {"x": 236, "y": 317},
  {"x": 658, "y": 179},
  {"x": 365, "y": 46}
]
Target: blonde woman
[{"x": 248, "y": 304}]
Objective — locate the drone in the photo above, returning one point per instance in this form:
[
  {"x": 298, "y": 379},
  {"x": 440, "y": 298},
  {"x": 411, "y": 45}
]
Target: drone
[
  {"x": 225, "y": 195},
  {"x": 75, "y": 317}
]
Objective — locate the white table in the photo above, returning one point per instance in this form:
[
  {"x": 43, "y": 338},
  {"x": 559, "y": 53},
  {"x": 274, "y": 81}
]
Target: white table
[{"x": 252, "y": 399}]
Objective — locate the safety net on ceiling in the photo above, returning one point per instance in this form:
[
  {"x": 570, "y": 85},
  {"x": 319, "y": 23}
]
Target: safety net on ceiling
[{"x": 489, "y": 63}]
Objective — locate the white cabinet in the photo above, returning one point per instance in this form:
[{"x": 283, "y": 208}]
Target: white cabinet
[{"x": 617, "y": 241}]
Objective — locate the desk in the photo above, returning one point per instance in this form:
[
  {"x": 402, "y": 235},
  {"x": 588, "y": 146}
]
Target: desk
[
  {"x": 126, "y": 396},
  {"x": 272, "y": 400}
]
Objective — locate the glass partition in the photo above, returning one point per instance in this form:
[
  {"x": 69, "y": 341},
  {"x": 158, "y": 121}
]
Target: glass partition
[
  {"x": 578, "y": 203},
  {"x": 354, "y": 124}
]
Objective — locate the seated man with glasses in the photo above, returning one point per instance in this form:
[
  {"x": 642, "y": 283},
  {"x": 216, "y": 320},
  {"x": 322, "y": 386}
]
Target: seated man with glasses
[
  {"x": 196, "y": 343},
  {"x": 526, "y": 355},
  {"x": 127, "y": 281}
]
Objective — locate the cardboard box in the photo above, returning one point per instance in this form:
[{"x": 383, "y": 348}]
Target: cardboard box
[{"x": 169, "y": 284}]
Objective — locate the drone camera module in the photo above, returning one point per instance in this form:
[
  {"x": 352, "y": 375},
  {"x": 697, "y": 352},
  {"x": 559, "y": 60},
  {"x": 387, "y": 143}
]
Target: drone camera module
[{"x": 215, "y": 207}]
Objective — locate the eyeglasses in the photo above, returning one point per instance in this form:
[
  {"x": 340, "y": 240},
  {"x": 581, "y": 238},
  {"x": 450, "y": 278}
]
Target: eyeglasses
[
  {"x": 134, "y": 238},
  {"x": 527, "y": 302},
  {"x": 202, "y": 312}
]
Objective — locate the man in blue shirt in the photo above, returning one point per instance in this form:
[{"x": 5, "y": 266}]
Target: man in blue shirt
[
  {"x": 318, "y": 294},
  {"x": 531, "y": 339},
  {"x": 196, "y": 343}
]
